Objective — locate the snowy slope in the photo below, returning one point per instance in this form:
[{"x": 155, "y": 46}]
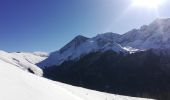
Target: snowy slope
[
  {"x": 155, "y": 35},
  {"x": 17, "y": 84},
  {"x": 24, "y": 60},
  {"x": 81, "y": 45}
]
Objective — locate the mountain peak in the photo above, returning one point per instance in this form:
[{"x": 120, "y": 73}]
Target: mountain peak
[
  {"x": 160, "y": 23},
  {"x": 81, "y": 45},
  {"x": 80, "y": 37},
  {"x": 160, "y": 26},
  {"x": 158, "y": 20},
  {"x": 153, "y": 36},
  {"x": 108, "y": 35},
  {"x": 74, "y": 43}
]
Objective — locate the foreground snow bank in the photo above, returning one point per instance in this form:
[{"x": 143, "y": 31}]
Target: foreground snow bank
[
  {"x": 25, "y": 61},
  {"x": 17, "y": 84}
]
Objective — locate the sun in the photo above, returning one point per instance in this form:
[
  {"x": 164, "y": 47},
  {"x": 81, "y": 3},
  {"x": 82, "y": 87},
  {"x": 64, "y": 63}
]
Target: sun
[{"x": 147, "y": 3}]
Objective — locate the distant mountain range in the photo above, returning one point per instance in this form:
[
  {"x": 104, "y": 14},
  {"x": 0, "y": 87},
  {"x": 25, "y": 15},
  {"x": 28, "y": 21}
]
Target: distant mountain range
[
  {"x": 153, "y": 36},
  {"x": 136, "y": 63}
]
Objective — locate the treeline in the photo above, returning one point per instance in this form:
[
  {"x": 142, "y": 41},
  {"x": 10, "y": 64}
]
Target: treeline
[{"x": 142, "y": 74}]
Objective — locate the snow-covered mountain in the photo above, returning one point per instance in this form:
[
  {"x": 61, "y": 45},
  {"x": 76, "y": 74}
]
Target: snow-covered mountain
[
  {"x": 155, "y": 35},
  {"x": 17, "y": 84},
  {"x": 81, "y": 45},
  {"x": 14, "y": 81},
  {"x": 25, "y": 61}
]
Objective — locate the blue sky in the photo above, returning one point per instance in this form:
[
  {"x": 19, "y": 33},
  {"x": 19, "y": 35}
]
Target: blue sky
[{"x": 47, "y": 25}]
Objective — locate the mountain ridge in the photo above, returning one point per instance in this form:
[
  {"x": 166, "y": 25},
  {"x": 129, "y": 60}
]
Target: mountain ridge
[
  {"x": 81, "y": 45},
  {"x": 153, "y": 36}
]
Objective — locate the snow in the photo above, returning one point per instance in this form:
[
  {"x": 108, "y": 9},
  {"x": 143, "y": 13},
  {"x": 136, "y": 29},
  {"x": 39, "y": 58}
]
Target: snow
[
  {"x": 24, "y": 60},
  {"x": 17, "y": 84},
  {"x": 153, "y": 36},
  {"x": 131, "y": 50},
  {"x": 82, "y": 46}
]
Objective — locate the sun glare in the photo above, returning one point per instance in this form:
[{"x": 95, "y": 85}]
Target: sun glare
[{"x": 147, "y": 3}]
